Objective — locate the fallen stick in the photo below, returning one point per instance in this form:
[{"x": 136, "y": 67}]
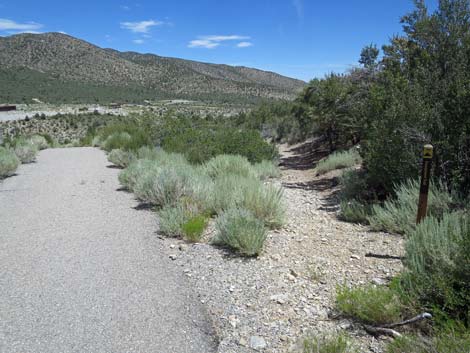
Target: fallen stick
[
  {"x": 376, "y": 331},
  {"x": 387, "y": 329},
  {"x": 385, "y": 257},
  {"x": 420, "y": 317}
]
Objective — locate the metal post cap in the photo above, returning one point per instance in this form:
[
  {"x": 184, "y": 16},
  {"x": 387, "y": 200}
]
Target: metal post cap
[{"x": 428, "y": 151}]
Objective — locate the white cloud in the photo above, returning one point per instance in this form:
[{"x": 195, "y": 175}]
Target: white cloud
[
  {"x": 138, "y": 41},
  {"x": 244, "y": 44},
  {"x": 210, "y": 42},
  {"x": 142, "y": 26},
  {"x": 202, "y": 43},
  {"x": 124, "y": 7},
  {"x": 9, "y": 25}
]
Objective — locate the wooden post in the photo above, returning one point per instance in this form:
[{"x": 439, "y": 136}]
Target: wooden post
[{"x": 425, "y": 180}]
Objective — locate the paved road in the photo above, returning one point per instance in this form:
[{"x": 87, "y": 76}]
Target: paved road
[{"x": 82, "y": 271}]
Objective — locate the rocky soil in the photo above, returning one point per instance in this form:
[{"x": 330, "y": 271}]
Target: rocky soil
[{"x": 271, "y": 302}]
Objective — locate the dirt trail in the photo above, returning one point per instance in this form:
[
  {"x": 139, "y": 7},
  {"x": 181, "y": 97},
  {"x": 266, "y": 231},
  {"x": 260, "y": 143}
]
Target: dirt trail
[{"x": 268, "y": 304}]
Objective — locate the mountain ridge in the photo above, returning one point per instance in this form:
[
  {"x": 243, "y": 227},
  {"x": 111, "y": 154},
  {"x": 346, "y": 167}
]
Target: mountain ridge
[{"x": 56, "y": 59}]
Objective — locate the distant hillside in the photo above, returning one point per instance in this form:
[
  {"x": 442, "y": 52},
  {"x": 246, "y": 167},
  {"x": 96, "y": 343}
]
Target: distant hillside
[{"x": 56, "y": 67}]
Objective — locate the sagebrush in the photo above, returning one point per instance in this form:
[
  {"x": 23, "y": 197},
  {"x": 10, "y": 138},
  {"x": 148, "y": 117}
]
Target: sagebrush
[
  {"x": 9, "y": 162},
  {"x": 240, "y": 230}
]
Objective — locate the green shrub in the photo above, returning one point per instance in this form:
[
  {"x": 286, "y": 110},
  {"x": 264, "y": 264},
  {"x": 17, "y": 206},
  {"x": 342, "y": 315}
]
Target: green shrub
[
  {"x": 409, "y": 344},
  {"x": 228, "y": 191},
  {"x": 353, "y": 185},
  {"x": 328, "y": 344},
  {"x": 370, "y": 304},
  {"x": 354, "y": 211},
  {"x": 398, "y": 215},
  {"x": 129, "y": 137},
  {"x": 96, "y": 141},
  {"x": 437, "y": 265},
  {"x": 51, "y": 142},
  {"x": 8, "y": 162},
  {"x": 338, "y": 160},
  {"x": 229, "y": 165},
  {"x": 442, "y": 343},
  {"x": 26, "y": 151},
  {"x": 160, "y": 156},
  {"x": 240, "y": 230},
  {"x": 136, "y": 171},
  {"x": 121, "y": 158},
  {"x": 200, "y": 144},
  {"x": 267, "y": 169},
  {"x": 182, "y": 220},
  {"x": 150, "y": 153},
  {"x": 194, "y": 228},
  {"x": 39, "y": 141},
  {"x": 201, "y": 191},
  {"x": 117, "y": 140},
  {"x": 452, "y": 343},
  {"x": 164, "y": 185},
  {"x": 171, "y": 220},
  {"x": 264, "y": 201}
]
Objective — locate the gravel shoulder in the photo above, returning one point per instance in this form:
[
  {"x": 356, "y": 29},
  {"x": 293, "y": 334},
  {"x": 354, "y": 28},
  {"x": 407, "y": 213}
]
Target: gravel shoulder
[
  {"x": 81, "y": 270},
  {"x": 270, "y": 303}
]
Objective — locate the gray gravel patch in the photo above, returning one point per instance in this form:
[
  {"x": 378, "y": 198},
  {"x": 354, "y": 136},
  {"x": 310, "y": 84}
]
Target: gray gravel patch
[{"x": 81, "y": 270}]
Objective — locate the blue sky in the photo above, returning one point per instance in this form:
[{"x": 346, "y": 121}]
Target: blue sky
[{"x": 297, "y": 38}]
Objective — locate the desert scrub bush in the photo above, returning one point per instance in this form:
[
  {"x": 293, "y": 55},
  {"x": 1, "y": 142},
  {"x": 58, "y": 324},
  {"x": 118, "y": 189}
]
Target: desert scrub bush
[
  {"x": 398, "y": 215},
  {"x": 8, "y": 162},
  {"x": 164, "y": 185},
  {"x": 338, "y": 160},
  {"x": 369, "y": 304},
  {"x": 264, "y": 201},
  {"x": 160, "y": 156},
  {"x": 96, "y": 141},
  {"x": 135, "y": 171},
  {"x": 354, "y": 211},
  {"x": 127, "y": 136},
  {"x": 39, "y": 141},
  {"x": 229, "y": 165},
  {"x": 121, "y": 158},
  {"x": 240, "y": 230},
  {"x": 267, "y": 169},
  {"x": 194, "y": 228},
  {"x": 409, "y": 344},
  {"x": 354, "y": 197},
  {"x": 338, "y": 343},
  {"x": 172, "y": 219},
  {"x": 26, "y": 151},
  {"x": 117, "y": 140},
  {"x": 354, "y": 185},
  {"x": 437, "y": 265},
  {"x": 150, "y": 153},
  {"x": 167, "y": 184},
  {"x": 176, "y": 220},
  {"x": 228, "y": 191},
  {"x": 201, "y": 143},
  {"x": 441, "y": 343}
]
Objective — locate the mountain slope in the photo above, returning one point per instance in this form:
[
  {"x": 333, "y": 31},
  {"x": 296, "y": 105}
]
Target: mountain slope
[{"x": 47, "y": 64}]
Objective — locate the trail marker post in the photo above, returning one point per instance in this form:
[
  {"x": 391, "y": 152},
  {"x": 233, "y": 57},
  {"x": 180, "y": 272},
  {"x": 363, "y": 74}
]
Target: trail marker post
[{"x": 425, "y": 180}]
